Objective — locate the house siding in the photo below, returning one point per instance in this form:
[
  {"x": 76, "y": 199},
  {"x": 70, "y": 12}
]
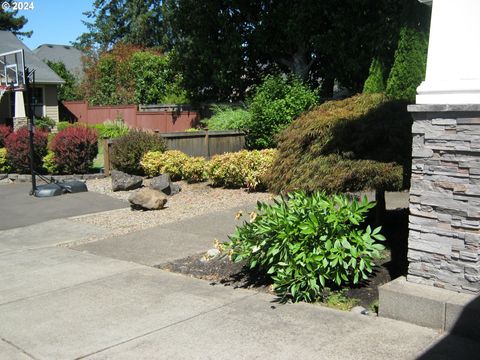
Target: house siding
[{"x": 50, "y": 102}]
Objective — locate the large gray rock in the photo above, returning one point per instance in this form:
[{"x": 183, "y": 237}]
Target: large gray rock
[
  {"x": 125, "y": 182},
  {"x": 164, "y": 184},
  {"x": 147, "y": 199}
]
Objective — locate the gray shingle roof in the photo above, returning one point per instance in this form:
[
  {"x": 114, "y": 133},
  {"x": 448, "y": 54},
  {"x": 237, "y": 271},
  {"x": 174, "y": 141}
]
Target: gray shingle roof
[
  {"x": 43, "y": 74},
  {"x": 70, "y": 56}
]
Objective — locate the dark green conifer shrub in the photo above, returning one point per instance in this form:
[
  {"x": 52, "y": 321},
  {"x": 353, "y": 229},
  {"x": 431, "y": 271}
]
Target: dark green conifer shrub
[
  {"x": 408, "y": 69},
  {"x": 375, "y": 82}
]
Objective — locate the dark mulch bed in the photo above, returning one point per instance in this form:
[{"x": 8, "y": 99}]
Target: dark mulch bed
[{"x": 221, "y": 271}]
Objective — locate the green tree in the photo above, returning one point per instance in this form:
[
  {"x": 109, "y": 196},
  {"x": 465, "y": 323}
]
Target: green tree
[
  {"x": 375, "y": 82},
  {"x": 225, "y": 47},
  {"x": 136, "y": 22},
  {"x": 70, "y": 90},
  {"x": 9, "y": 21},
  {"x": 410, "y": 60},
  {"x": 276, "y": 103},
  {"x": 131, "y": 75}
]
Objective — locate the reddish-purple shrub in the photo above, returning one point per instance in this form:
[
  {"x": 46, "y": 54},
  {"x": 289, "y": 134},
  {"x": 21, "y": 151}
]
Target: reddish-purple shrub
[
  {"x": 75, "y": 148},
  {"x": 18, "y": 149},
  {"x": 4, "y": 132}
]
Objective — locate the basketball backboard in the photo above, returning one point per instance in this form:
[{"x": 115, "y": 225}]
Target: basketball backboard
[{"x": 12, "y": 70}]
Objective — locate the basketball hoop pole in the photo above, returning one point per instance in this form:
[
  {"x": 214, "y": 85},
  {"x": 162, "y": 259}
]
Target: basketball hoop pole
[{"x": 31, "y": 124}]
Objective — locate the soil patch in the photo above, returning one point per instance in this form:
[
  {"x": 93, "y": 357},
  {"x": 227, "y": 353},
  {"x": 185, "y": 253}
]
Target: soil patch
[{"x": 221, "y": 271}]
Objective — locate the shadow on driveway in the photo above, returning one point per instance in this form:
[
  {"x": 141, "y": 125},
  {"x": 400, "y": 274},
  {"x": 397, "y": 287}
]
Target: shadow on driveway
[{"x": 18, "y": 208}]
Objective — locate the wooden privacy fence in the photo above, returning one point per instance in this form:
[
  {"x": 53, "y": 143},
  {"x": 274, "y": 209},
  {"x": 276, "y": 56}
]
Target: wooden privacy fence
[
  {"x": 198, "y": 143},
  {"x": 161, "y": 119}
]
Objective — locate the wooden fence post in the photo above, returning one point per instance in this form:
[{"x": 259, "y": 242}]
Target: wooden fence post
[
  {"x": 207, "y": 143},
  {"x": 106, "y": 157}
]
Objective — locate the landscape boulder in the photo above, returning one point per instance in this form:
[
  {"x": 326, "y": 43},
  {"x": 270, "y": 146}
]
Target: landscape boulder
[
  {"x": 164, "y": 184},
  {"x": 125, "y": 182},
  {"x": 147, "y": 199}
]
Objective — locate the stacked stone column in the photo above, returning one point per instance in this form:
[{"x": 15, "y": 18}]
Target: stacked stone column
[{"x": 444, "y": 237}]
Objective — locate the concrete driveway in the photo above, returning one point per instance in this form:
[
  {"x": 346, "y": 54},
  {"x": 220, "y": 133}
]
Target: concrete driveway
[
  {"x": 60, "y": 303},
  {"x": 18, "y": 208}
]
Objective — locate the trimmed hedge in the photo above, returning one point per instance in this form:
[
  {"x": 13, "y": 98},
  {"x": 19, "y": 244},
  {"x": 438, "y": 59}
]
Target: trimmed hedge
[{"x": 359, "y": 143}]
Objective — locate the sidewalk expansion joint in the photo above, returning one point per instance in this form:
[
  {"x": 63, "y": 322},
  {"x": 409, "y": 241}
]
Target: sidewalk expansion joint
[
  {"x": 167, "y": 326},
  {"x": 70, "y": 286},
  {"x": 18, "y": 348}
]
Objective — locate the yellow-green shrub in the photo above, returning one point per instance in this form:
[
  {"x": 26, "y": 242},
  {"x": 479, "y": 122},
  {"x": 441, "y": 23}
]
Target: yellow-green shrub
[
  {"x": 4, "y": 167},
  {"x": 172, "y": 162},
  {"x": 49, "y": 163},
  {"x": 194, "y": 169},
  {"x": 243, "y": 168},
  {"x": 259, "y": 165}
]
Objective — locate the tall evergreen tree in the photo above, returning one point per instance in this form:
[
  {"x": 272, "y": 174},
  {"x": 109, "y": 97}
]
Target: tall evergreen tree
[
  {"x": 10, "y": 21},
  {"x": 135, "y": 22}
]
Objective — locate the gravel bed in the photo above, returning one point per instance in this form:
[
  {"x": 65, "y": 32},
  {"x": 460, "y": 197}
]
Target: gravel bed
[{"x": 193, "y": 200}]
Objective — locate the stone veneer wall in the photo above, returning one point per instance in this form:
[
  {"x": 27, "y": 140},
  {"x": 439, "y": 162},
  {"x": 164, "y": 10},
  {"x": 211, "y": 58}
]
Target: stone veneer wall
[
  {"x": 444, "y": 236},
  {"x": 19, "y": 122}
]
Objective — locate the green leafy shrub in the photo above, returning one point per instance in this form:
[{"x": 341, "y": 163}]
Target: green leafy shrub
[
  {"x": 194, "y": 170},
  {"x": 242, "y": 168},
  {"x": 45, "y": 123},
  {"x": 408, "y": 69},
  {"x": 49, "y": 163},
  {"x": 375, "y": 82},
  {"x": 18, "y": 150},
  {"x": 359, "y": 143},
  {"x": 128, "y": 150},
  {"x": 4, "y": 167},
  {"x": 74, "y": 150},
  {"x": 228, "y": 118},
  {"x": 172, "y": 162},
  {"x": 111, "y": 129},
  {"x": 306, "y": 243},
  {"x": 62, "y": 125},
  {"x": 276, "y": 103}
]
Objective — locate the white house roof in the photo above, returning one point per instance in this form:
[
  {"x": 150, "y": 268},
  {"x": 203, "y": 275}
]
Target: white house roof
[
  {"x": 43, "y": 73},
  {"x": 69, "y": 55}
]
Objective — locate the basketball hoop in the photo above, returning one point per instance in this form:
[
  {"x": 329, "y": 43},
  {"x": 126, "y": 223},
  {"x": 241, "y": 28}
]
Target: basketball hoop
[{"x": 3, "y": 90}]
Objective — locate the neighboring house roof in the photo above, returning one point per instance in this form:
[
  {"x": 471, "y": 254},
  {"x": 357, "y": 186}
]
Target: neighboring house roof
[
  {"x": 69, "y": 55},
  {"x": 43, "y": 73}
]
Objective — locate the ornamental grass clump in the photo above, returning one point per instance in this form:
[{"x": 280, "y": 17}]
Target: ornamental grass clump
[{"x": 307, "y": 243}]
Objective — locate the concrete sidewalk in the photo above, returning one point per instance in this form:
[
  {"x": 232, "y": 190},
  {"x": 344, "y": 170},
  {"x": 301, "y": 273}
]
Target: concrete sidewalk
[
  {"x": 171, "y": 241},
  {"x": 59, "y": 303}
]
